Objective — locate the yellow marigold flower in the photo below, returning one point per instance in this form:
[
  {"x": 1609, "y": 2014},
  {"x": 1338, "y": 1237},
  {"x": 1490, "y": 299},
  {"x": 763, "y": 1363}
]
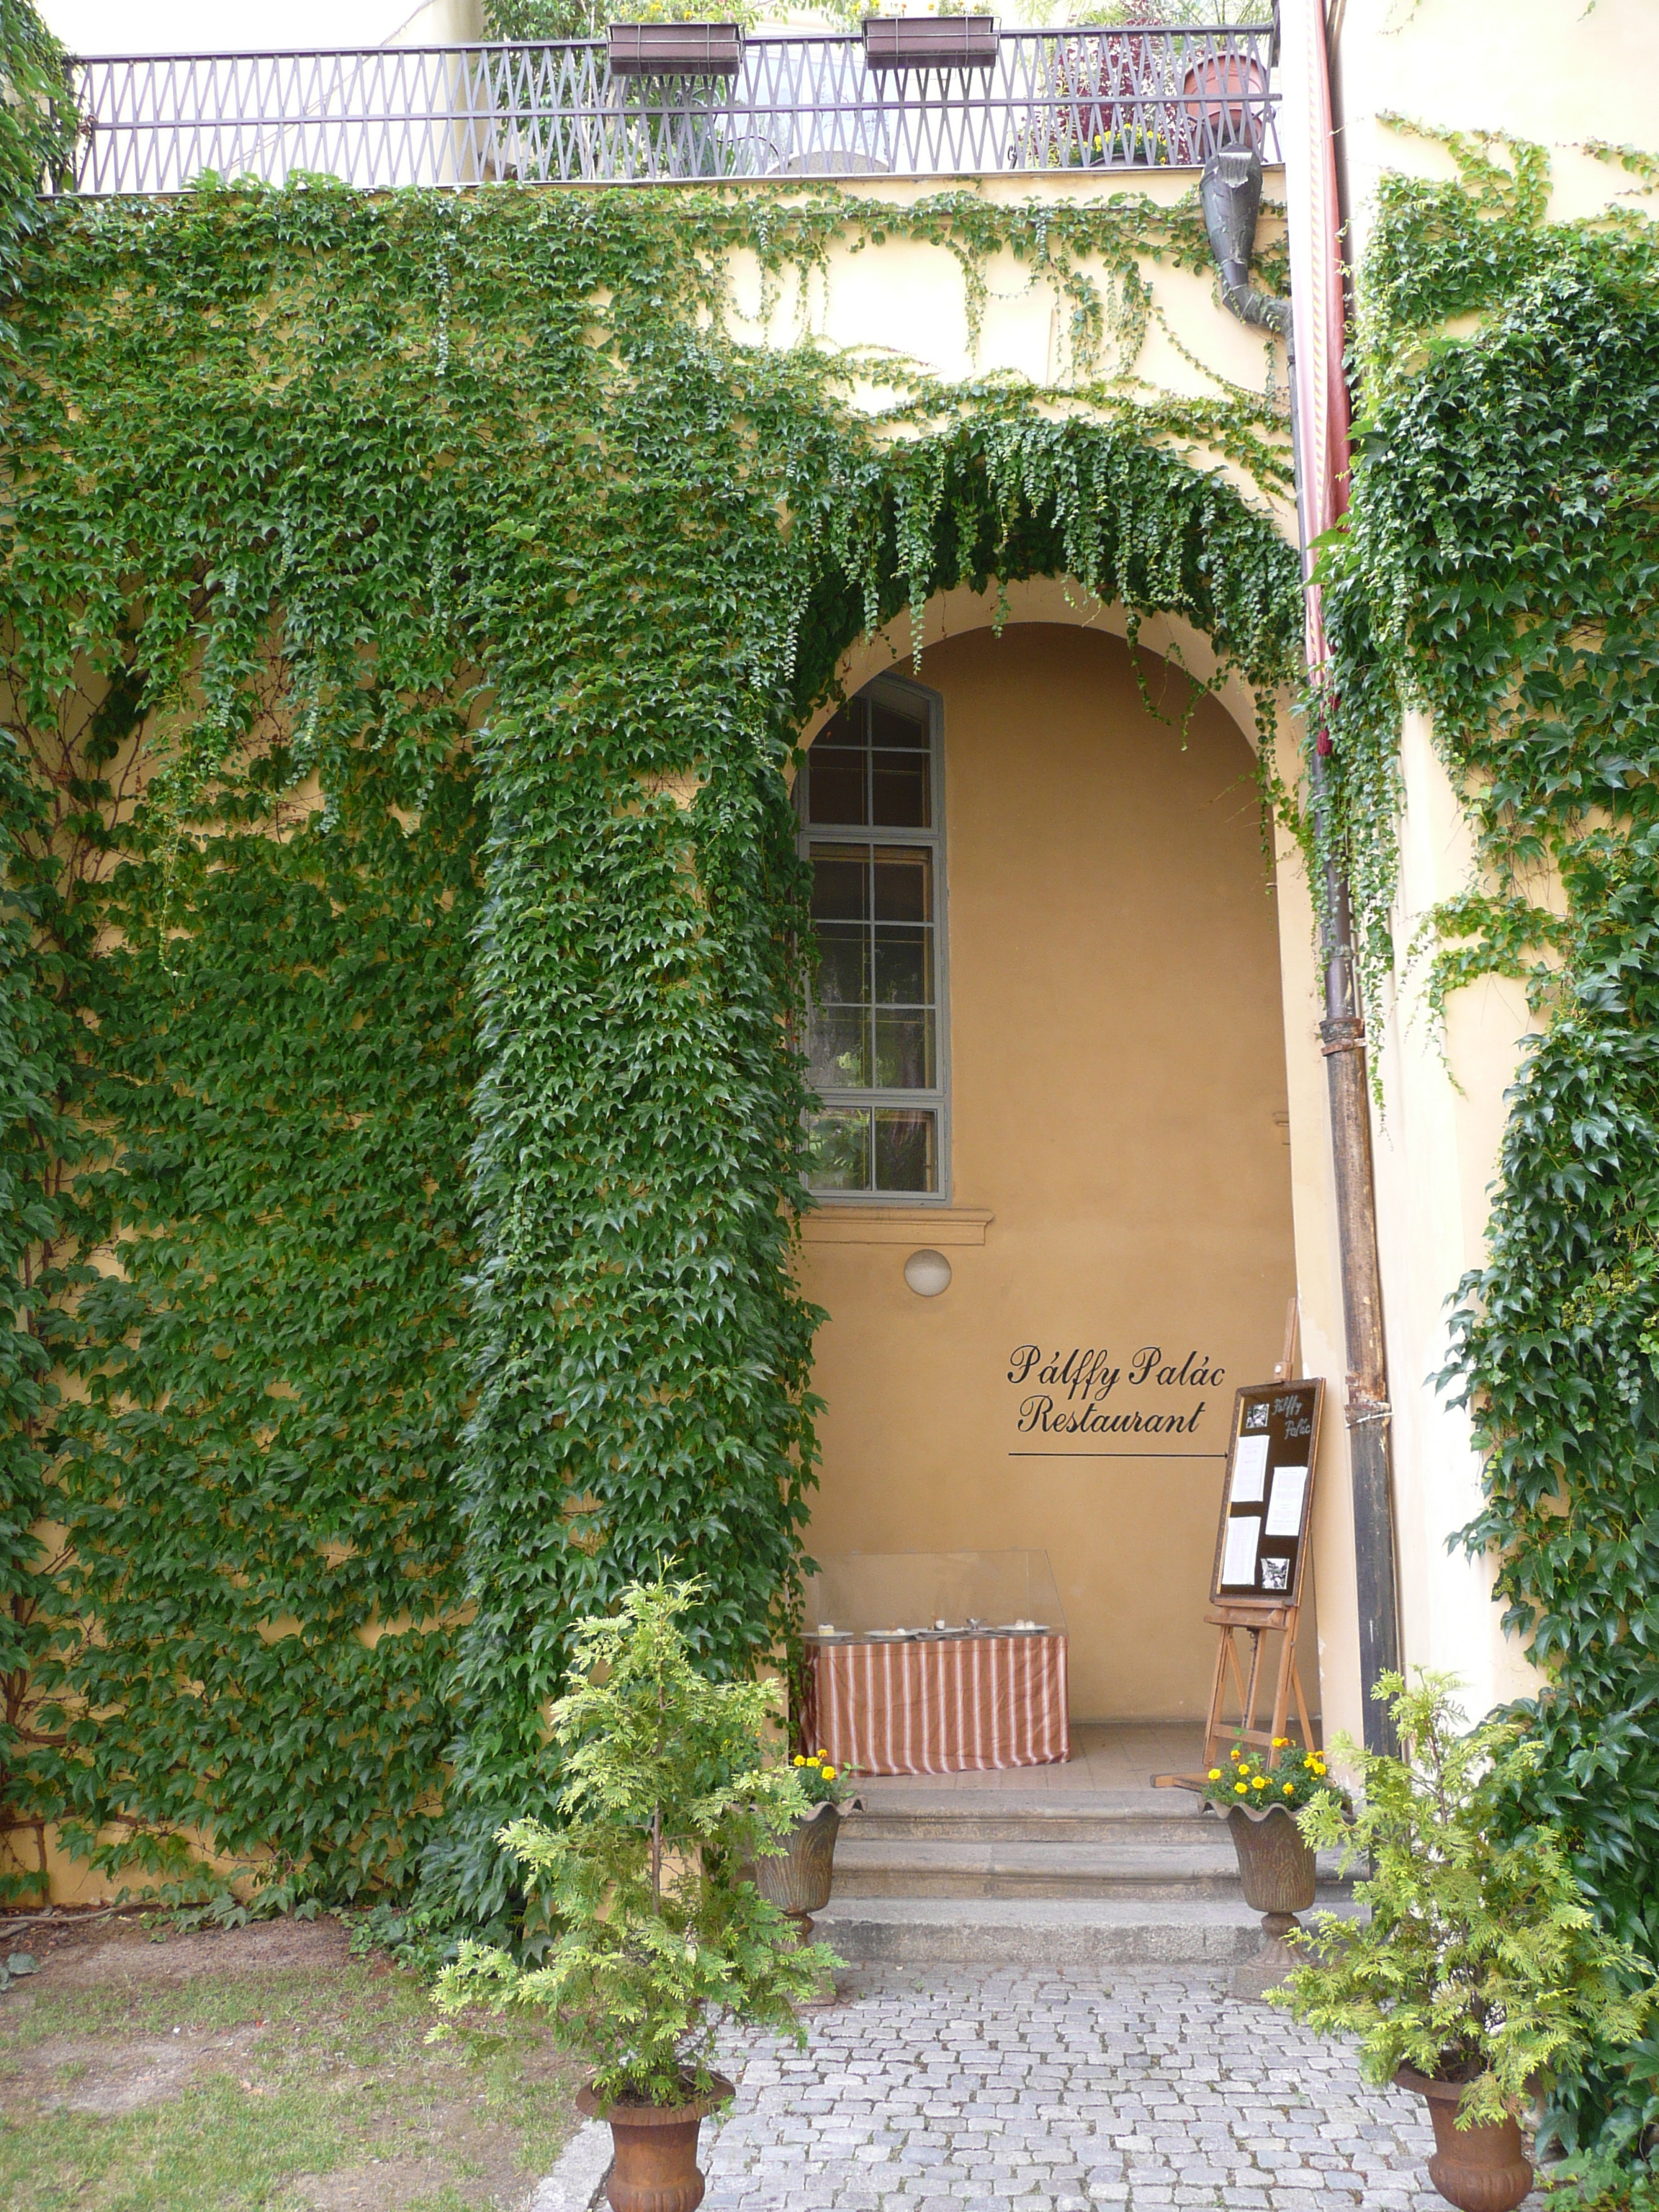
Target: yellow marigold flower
[
  {"x": 1234, "y": 1752},
  {"x": 815, "y": 1759},
  {"x": 1279, "y": 1742},
  {"x": 1215, "y": 1774},
  {"x": 1258, "y": 1782},
  {"x": 823, "y": 1753},
  {"x": 800, "y": 1761},
  {"x": 1240, "y": 1789},
  {"x": 828, "y": 1773},
  {"x": 1290, "y": 1789}
]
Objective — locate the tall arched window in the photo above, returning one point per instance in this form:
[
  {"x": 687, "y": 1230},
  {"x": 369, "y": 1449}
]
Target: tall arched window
[{"x": 871, "y": 797}]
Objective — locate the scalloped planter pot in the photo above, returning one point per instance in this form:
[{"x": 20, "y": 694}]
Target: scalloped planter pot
[
  {"x": 655, "y": 2168},
  {"x": 797, "y": 1880},
  {"x": 1482, "y": 2169},
  {"x": 1278, "y": 1869},
  {"x": 1278, "y": 1874}
]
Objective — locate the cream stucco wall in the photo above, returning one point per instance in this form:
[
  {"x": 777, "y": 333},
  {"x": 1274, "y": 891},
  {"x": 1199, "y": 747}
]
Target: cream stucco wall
[
  {"x": 1558, "y": 74},
  {"x": 1121, "y": 1162}
]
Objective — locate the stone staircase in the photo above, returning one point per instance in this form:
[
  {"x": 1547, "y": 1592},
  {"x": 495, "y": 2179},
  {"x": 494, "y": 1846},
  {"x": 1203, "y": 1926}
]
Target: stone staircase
[{"x": 1073, "y": 1878}]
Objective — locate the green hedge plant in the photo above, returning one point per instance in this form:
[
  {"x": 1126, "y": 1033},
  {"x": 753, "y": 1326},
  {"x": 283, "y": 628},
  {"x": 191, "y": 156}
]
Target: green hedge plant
[
  {"x": 1481, "y": 1961},
  {"x": 651, "y": 1935}
]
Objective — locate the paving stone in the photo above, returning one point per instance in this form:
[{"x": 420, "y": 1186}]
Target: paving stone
[{"x": 984, "y": 2089}]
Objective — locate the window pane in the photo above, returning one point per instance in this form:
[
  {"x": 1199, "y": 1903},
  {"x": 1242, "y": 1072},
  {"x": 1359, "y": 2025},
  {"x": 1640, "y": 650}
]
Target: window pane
[
  {"x": 903, "y": 795},
  {"x": 901, "y": 724},
  {"x": 838, "y": 1050},
  {"x": 848, "y": 725},
  {"x": 904, "y": 1051},
  {"x": 843, "y": 976},
  {"x": 835, "y": 785},
  {"x": 838, "y": 1151},
  {"x": 903, "y": 885},
  {"x": 841, "y": 883},
  {"x": 907, "y": 1151},
  {"x": 904, "y": 965}
]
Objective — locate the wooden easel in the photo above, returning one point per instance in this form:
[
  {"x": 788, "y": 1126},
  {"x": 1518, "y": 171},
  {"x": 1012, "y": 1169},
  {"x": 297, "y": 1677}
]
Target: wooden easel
[
  {"x": 1256, "y": 1622},
  {"x": 1239, "y": 1678}
]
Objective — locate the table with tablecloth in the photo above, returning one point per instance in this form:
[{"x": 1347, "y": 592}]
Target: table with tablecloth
[{"x": 949, "y": 1704}]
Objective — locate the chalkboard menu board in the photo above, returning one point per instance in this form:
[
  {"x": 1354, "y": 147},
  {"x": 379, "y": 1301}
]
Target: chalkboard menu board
[{"x": 1269, "y": 1494}]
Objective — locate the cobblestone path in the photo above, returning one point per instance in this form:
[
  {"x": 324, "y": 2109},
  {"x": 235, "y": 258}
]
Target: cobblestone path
[{"x": 1009, "y": 2092}]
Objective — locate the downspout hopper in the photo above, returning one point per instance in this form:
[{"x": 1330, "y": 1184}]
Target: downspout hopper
[{"x": 1229, "y": 194}]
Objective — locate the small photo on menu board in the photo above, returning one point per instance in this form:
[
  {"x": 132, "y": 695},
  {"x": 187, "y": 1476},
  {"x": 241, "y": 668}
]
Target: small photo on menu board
[{"x": 1268, "y": 1494}]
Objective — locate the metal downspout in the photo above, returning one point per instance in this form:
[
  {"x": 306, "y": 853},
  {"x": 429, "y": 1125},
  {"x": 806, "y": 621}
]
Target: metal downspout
[{"x": 1230, "y": 194}]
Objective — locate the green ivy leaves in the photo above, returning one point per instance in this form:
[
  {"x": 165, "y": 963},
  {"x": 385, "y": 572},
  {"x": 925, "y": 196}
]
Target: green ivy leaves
[
  {"x": 1502, "y": 567},
  {"x": 408, "y": 654}
]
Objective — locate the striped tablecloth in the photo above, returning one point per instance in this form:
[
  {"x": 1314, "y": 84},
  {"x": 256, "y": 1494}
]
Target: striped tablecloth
[{"x": 958, "y": 1705}]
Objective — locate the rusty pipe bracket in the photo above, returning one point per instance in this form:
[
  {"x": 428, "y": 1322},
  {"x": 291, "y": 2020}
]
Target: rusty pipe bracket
[
  {"x": 1341, "y": 1033},
  {"x": 1362, "y": 1407}
]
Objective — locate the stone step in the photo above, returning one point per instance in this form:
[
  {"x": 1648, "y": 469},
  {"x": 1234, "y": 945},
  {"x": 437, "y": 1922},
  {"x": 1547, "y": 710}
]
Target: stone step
[
  {"x": 977, "y": 1867},
  {"x": 905, "y": 1812},
  {"x": 1079, "y": 1933}
]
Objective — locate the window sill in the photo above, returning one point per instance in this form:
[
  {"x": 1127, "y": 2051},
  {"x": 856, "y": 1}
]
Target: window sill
[{"x": 844, "y": 1222}]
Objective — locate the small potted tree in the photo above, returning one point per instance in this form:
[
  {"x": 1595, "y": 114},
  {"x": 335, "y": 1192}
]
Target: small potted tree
[
  {"x": 655, "y": 1935},
  {"x": 1481, "y": 1969}
]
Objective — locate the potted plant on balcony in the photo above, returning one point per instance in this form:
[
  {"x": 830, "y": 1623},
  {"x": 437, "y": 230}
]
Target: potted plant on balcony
[
  {"x": 1481, "y": 1971},
  {"x": 654, "y": 1935}
]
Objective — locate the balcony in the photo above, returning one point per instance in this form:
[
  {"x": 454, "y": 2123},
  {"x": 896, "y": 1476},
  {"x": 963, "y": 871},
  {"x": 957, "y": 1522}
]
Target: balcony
[{"x": 796, "y": 106}]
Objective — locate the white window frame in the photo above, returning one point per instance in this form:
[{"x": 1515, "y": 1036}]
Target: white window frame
[{"x": 900, "y": 689}]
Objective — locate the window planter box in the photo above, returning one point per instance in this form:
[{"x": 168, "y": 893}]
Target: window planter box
[
  {"x": 936, "y": 42},
  {"x": 675, "y": 49}
]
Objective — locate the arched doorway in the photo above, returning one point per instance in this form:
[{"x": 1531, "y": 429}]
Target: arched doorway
[{"x": 1113, "y": 1191}]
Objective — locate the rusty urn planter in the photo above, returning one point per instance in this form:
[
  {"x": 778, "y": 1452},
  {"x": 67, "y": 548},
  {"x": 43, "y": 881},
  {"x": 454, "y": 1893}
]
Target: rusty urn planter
[
  {"x": 655, "y": 2168},
  {"x": 797, "y": 1881},
  {"x": 1278, "y": 1869},
  {"x": 1481, "y": 2169},
  {"x": 1279, "y": 1875}
]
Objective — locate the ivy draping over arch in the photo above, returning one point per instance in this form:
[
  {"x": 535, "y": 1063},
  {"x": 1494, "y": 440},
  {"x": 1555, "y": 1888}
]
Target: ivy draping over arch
[{"x": 410, "y": 607}]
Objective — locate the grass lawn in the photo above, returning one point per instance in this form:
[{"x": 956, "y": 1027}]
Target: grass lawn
[{"x": 258, "y": 2069}]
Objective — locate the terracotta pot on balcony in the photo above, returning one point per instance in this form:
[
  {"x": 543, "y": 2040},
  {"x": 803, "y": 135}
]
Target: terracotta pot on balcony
[
  {"x": 929, "y": 42},
  {"x": 1224, "y": 102},
  {"x": 656, "y": 2167},
  {"x": 797, "y": 1880},
  {"x": 675, "y": 49},
  {"x": 1482, "y": 2169}
]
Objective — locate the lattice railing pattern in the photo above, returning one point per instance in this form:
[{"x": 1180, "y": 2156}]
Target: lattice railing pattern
[{"x": 799, "y": 106}]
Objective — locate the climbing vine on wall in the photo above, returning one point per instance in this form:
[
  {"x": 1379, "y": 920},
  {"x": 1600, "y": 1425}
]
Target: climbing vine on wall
[
  {"x": 1502, "y": 569},
  {"x": 412, "y": 606}
]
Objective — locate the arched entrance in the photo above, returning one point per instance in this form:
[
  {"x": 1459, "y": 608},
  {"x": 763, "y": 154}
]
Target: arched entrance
[{"x": 1114, "y": 1193}]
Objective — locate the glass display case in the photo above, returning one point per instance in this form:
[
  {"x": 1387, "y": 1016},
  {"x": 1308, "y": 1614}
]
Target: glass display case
[{"x": 904, "y": 1596}]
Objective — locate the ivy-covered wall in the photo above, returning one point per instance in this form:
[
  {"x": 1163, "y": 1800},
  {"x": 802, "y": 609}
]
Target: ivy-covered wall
[
  {"x": 411, "y": 606},
  {"x": 1500, "y": 570}
]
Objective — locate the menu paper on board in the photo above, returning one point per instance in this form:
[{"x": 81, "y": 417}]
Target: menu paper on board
[
  {"x": 1239, "y": 1560},
  {"x": 1284, "y": 1511},
  {"x": 1249, "y": 1471}
]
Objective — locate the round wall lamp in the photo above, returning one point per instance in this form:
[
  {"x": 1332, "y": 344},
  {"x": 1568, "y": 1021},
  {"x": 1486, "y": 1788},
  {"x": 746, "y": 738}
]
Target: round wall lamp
[{"x": 928, "y": 1274}]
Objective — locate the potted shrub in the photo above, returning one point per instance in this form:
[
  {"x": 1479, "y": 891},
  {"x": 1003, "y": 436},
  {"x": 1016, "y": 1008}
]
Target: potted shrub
[
  {"x": 653, "y": 1934},
  {"x": 1481, "y": 1969},
  {"x": 797, "y": 1879}
]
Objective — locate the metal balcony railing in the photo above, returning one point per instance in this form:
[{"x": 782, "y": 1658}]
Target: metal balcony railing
[{"x": 799, "y": 106}]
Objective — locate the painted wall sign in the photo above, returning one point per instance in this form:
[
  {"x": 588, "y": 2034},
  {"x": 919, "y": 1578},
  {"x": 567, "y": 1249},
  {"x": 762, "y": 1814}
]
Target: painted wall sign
[
  {"x": 1095, "y": 1405},
  {"x": 1269, "y": 1493}
]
